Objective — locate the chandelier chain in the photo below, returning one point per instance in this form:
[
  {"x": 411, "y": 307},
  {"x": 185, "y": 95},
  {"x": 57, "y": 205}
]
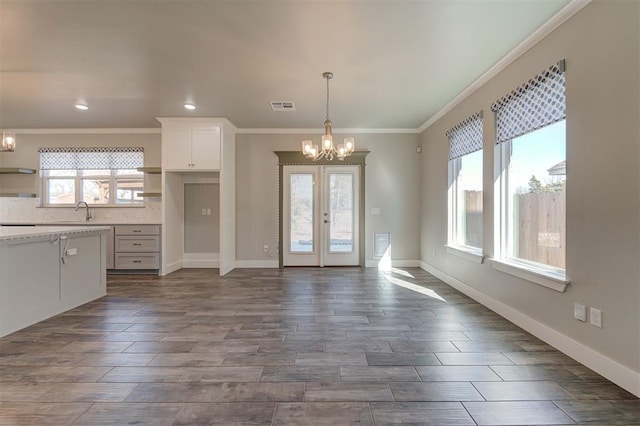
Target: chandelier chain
[{"x": 327, "y": 97}]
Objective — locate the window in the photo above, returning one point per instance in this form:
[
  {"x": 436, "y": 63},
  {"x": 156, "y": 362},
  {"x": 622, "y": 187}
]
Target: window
[
  {"x": 531, "y": 173},
  {"x": 465, "y": 185},
  {"x": 98, "y": 176}
]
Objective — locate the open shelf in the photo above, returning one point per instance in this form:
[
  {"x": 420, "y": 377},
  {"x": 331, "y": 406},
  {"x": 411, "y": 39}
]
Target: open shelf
[
  {"x": 150, "y": 170},
  {"x": 16, "y": 171},
  {"x": 18, "y": 195}
]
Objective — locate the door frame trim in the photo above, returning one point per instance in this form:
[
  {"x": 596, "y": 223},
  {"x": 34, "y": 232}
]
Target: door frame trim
[{"x": 296, "y": 158}]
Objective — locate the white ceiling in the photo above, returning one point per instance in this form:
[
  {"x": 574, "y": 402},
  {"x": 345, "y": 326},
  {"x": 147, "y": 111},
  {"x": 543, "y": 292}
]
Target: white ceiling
[{"x": 396, "y": 63}]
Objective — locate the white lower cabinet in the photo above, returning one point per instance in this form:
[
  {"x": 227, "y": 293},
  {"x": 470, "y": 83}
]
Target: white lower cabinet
[{"x": 137, "y": 246}]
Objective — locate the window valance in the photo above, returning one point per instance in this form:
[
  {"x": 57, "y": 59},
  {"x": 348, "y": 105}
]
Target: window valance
[
  {"x": 95, "y": 158},
  {"x": 466, "y": 136},
  {"x": 533, "y": 105}
]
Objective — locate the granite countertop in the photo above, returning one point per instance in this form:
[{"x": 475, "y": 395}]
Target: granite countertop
[{"x": 25, "y": 232}]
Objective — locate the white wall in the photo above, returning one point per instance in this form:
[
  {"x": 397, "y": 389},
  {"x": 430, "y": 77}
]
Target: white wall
[
  {"x": 26, "y": 210},
  {"x": 391, "y": 185},
  {"x": 601, "y": 47}
]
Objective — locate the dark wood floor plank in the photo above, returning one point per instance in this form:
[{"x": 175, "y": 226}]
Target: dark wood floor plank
[
  {"x": 323, "y": 413},
  {"x": 307, "y": 346},
  {"x": 517, "y": 413}
]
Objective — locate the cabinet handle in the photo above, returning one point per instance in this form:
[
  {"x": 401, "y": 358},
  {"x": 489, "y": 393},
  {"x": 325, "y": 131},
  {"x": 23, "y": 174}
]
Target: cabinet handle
[
  {"x": 137, "y": 261},
  {"x": 137, "y": 230},
  {"x": 137, "y": 244}
]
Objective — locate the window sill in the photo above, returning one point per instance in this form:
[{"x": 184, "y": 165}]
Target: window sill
[
  {"x": 541, "y": 277},
  {"x": 471, "y": 254}
]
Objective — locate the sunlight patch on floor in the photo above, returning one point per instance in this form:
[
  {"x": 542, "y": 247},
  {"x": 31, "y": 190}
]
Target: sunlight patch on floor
[{"x": 416, "y": 288}]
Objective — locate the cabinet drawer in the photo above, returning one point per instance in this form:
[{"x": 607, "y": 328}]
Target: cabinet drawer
[
  {"x": 137, "y": 261},
  {"x": 137, "y": 230},
  {"x": 130, "y": 243}
]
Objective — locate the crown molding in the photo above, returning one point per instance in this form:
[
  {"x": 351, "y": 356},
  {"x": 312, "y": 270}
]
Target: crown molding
[
  {"x": 321, "y": 131},
  {"x": 547, "y": 28},
  {"x": 118, "y": 131},
  {"x": 76, "y": 131}
]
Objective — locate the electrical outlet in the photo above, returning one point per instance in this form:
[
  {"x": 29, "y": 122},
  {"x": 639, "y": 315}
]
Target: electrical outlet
[
  {"x": 204, "y": 212},
  {"x": 579, "y": 312},
  {"x": 208, "y": 212},
  {"x": 595, "y": 317},
  {"x": 265, "y": 248}
]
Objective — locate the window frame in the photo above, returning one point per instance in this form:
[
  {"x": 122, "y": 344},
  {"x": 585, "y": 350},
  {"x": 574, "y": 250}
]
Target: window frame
[
  {"x": 78, "y": 179},
  {"x": 87, "y": 163},
  {"x": 455, "y": 237},
  {"x": 539, "y": 273},
  {"x": 534, "y": 105},
  {"x": 465, "y": 138}
]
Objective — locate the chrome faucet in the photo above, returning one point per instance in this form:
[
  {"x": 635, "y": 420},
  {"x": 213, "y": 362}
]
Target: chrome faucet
[{"x": 88, "y": 217}]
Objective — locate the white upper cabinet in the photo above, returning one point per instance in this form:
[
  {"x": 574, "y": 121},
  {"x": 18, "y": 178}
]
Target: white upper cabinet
[
  {"x": 205, "y": 148},
  {"x": 190, "y": 147}
]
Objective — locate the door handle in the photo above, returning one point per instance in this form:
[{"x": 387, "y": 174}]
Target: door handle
[{"x": 327, "y": 221}]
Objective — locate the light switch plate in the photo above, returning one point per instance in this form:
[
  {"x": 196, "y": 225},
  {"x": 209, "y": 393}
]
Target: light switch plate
[
  {"x": 579, "y": 312},
  {"x": 595, "y": 317}
]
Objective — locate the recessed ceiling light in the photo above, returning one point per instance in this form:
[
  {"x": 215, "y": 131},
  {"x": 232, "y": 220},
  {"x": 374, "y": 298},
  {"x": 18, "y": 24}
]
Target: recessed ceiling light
[
  {"x": 190, "y": 107},
  {"x": 82, "y": 107}
]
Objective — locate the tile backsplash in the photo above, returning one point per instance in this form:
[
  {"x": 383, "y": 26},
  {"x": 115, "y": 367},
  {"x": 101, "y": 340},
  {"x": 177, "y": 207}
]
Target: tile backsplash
[{"x": 26, "y": 210}]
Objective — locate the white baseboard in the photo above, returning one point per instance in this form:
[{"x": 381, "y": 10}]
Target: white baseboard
[
  {"x": 373, "y": 263},
  {"x": 201, "y": 260},
  {"x": 171, "y": 267},
  {"x": 601, "y": 364},
  {"x": 257, "y": 264}
]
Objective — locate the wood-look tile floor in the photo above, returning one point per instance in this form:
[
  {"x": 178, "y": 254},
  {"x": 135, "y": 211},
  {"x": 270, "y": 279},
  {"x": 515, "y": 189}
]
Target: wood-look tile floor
[{"x": 303, "y": 346}]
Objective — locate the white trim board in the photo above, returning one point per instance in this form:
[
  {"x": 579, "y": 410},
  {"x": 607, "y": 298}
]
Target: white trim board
[
  {"x": 257, "y": 264},
  {"x": 612, "y": 370},
  {"x": 556, "y": 20},
  {"x": 201, "y": 260},
  {"x": 171, "y": 267},
  {"x": 373, "y": 263}
]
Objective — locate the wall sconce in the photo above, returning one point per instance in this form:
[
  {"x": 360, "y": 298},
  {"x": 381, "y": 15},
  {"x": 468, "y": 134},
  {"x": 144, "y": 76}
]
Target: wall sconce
[{"x": 8, "y": 141}]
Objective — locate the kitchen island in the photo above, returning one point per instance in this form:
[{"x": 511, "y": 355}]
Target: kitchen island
[{"x": 47, "y": 270}]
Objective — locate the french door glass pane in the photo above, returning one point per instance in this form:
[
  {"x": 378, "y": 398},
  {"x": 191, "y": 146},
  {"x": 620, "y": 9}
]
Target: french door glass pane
[
  {"x": 341, "y": 212},
  {"x": 301, "y": 226}
]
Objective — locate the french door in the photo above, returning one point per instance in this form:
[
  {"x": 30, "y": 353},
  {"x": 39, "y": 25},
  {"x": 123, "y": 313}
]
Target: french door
[{"x": 320, "y": 215}]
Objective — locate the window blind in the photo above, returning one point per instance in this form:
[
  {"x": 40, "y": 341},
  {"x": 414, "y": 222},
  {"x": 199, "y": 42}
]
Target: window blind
[
  {"x": 533, "y": 105},
  {"x": 466, "y": 136},
  {"x": 97, "y": 158}
]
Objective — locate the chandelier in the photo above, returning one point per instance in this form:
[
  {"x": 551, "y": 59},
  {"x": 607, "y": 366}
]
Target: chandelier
[
  {"x": 328, "y": 151},
  {"x": 8, "y": 141}
]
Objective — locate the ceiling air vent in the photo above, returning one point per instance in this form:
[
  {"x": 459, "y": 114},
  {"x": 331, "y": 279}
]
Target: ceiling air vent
[{"x": 282, "y": 106}]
